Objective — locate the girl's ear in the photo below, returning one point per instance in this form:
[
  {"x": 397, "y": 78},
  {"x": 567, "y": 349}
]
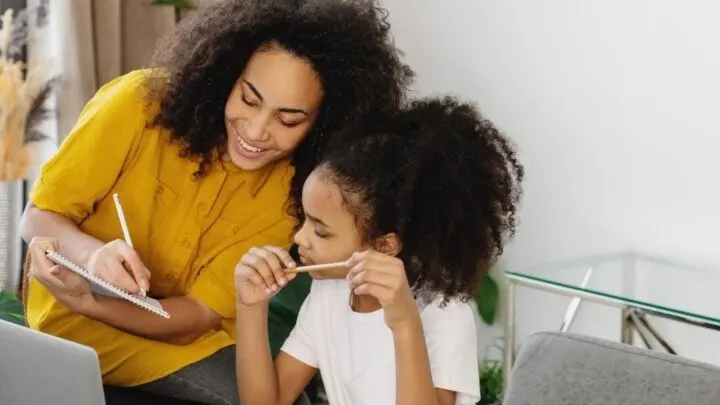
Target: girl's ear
[{"x": 389, "y": 244}]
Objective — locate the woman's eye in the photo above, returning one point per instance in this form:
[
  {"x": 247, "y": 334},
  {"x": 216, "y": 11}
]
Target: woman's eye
[
  {"x": 289, "y": 124},
  {"x": 248, "y": 102}
]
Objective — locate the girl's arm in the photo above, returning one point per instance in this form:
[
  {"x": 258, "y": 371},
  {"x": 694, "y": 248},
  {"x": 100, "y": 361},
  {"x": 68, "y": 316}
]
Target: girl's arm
[
  {"x": 259, "y": 380},
  {"x": 412, "y": 369},
  {"x": 383, "y": 277}
]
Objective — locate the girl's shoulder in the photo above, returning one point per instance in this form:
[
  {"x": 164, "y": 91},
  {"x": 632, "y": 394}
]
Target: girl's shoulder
[{"x": 438, "y": 312}]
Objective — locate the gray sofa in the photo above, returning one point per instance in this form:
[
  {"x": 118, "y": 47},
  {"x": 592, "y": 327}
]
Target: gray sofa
[{"x": 563, "y": 369}]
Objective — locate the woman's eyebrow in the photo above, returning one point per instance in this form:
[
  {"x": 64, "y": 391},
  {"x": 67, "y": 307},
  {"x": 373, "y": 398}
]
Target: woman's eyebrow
[{"x": 284, "y": 109}]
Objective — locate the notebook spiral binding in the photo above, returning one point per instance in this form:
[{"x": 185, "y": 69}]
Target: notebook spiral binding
[{"x": 147, "y": 303}]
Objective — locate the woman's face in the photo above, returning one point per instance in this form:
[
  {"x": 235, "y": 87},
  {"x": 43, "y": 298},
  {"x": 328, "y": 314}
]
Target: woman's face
[{"x": 271, "y": 108}]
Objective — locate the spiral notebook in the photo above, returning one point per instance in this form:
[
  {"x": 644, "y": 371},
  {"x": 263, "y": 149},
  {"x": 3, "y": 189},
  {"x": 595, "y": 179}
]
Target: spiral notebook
[{"x": 101, "y": 286}]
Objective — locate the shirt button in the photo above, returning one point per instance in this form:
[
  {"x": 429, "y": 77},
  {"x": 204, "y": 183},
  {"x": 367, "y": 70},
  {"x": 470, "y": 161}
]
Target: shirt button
[
  {"x": 235, "y": 230},
  {"x": 185, "y": 243},
  {"x": 159, "y": 190},
  {"x": 201, "y": 206}
]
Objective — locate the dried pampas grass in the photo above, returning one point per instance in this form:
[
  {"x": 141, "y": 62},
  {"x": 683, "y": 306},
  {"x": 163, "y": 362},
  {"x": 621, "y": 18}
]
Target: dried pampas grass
[{"x": 23, "y": 92}]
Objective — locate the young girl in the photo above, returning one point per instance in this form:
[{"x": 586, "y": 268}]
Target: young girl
[{"x": 417, "y": 211}]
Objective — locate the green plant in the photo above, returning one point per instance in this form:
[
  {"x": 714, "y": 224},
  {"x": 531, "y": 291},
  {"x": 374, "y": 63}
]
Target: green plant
[
  {"x": 11, "y": 309},
  {"x": 487, "y": 299},
  {"x": 491, "y": 382},
  {"x": 179, "y": 4}
]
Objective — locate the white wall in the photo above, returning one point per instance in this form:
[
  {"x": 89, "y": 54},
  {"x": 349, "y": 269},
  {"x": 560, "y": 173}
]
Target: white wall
[{"x": 615, "y": 106}]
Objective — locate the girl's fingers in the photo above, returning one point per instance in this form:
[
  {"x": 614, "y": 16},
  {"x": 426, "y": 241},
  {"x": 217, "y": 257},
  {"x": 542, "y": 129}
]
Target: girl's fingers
[
  {"x": 274, "y": 266},
  {"x": 261, "y": 267},
  {"x": 372, "y": 277},
  {"x": 283, "y": 255},
  {"x": 381, "y": 293}
]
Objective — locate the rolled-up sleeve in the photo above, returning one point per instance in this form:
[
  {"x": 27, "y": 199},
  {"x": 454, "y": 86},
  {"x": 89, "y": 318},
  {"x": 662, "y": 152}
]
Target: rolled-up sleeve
[{"x": 92, "y": 156}]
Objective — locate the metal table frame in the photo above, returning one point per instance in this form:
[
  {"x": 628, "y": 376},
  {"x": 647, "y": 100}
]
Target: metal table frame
[{"x": 634, "y": 316}]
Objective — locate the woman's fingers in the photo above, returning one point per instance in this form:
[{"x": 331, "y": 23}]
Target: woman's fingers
[
  {"x": 38, "y": 247},
  {"x": 132, "y": 262},
  {"x": 110, "y": 268}
]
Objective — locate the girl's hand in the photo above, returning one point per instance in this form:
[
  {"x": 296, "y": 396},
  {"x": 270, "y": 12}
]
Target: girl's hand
[
  {"x": 383, "y": 277},
  {"x": 118, "y": 264},
  {"x": 260, "y": 275},
  {"x": 67, "y": 287}
]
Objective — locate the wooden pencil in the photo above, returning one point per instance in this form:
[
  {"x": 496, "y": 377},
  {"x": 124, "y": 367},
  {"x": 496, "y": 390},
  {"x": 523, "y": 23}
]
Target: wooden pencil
[{"x": 317, "y": 267}]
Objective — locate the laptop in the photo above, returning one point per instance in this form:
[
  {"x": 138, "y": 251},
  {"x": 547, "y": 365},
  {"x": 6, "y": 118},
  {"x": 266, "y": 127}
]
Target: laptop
[{"x": 37, "y": 368}]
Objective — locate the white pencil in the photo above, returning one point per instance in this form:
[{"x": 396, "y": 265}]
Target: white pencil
[
  {"x": 125, "y": 230},
  {"x": 121, "y": 217}
]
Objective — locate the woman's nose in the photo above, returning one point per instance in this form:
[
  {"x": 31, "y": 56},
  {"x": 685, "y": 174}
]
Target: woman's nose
[{"x": 256, "y": 129}]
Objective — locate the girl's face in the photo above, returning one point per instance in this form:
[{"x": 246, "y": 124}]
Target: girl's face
[
  {"x": 330, "y": 232},
  {"x": 271, "y": 108}
]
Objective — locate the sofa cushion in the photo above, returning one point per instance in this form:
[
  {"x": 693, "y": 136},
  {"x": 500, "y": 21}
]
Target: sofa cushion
[{"x": 562, "y": 368}]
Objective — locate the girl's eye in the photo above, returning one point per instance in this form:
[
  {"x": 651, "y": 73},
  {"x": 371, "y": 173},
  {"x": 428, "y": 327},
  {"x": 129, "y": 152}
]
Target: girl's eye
[{"x": 321, "y": 235}]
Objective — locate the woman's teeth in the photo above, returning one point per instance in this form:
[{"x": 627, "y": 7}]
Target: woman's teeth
[{"x": 249, "y": 147}]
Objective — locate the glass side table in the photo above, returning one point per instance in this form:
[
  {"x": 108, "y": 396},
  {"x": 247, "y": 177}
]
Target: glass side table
[{"x": 626, "y": 280}]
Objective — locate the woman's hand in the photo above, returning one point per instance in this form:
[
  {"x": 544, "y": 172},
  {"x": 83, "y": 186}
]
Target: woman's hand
[
  {"x": 383, "y": 277},
  {"x": 260, "y": 274},
  {"x": 118, "y": 264},
  {"x": 67, "y": 287}
]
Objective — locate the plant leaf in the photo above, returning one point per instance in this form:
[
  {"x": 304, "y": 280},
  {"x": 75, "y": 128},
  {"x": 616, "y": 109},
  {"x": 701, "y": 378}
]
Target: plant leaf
[
  {"x": 38, "y": 112},
  {"x": 11, "y": 309},
  {"x": 486, "y": 299},
  {"x": 180, "y": 4}
]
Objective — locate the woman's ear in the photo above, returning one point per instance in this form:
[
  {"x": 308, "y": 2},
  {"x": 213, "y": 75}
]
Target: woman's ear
[{"x": 389, "y": 244}]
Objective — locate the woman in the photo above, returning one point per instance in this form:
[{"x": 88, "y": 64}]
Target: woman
[{"x": 208, "y": 152}]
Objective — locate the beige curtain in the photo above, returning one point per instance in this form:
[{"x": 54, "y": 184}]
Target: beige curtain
[{"x": 93, "y": 41}]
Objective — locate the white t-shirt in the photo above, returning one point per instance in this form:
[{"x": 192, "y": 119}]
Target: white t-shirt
[{"x": 355, "y": 352}]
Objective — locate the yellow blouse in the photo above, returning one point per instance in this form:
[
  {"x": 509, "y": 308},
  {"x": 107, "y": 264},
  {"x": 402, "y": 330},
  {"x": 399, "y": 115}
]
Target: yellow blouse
[{"x": 189, "y": 232}]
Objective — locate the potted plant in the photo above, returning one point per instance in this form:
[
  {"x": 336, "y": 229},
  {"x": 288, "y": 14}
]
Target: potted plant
[
  {"x": 179, "y": 4},
  {"x": 24, "y": 89},
  {"x": 11, "y": 309},
  {"x": 491, "y": 371}
]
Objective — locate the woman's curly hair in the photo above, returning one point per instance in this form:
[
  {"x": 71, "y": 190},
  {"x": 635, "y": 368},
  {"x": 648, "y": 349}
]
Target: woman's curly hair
[
  {"x": 442, "y": 178},
  {"x": 347, "y": 43}
]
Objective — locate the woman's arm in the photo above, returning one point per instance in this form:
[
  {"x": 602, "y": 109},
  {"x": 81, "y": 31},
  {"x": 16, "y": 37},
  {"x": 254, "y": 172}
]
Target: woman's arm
[
  {"x": 76, "y": 244},
  {"x": 259, "y": 380},
  {"x": 115, "y": 262},
  {"x": 189, "y": 318}
]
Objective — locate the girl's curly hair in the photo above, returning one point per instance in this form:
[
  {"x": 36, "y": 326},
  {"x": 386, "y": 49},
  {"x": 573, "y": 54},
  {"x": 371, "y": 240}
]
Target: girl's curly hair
[
  {"x": 347, "y": 43},
  {"x": 442, "y": 178}
]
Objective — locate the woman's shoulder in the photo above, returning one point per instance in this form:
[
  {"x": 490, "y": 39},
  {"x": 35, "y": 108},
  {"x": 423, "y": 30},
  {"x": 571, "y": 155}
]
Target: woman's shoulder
[{"x": 129, "y": 92}]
